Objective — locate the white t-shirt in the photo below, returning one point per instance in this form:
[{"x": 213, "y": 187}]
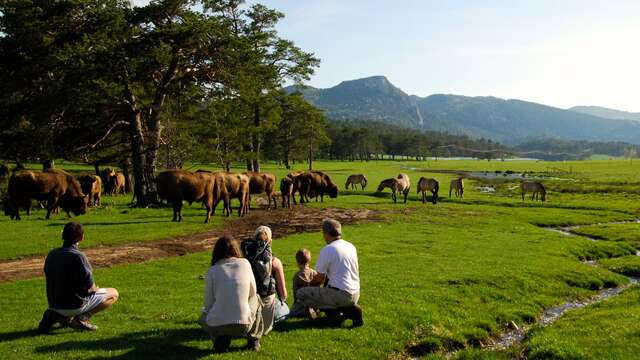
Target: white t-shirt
[{"x": 339, "y": 262}]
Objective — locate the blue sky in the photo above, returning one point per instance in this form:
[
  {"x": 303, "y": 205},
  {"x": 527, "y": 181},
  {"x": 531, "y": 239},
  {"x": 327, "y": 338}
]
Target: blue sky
[{"x": 561, "y": 53}]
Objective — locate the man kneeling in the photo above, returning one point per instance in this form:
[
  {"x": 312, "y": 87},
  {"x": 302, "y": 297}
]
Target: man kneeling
[
  {"x": 338, "y": 262},
  {"x": 72, "y": 295}
]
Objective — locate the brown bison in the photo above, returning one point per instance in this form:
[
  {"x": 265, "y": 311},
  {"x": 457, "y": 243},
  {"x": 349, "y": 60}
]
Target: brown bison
[
  {"x": 177, "y": 186},
  {"x": 57, "y": 187},
  {"x": 114, "y": 182},
  {"x": 92, "y": 187},
  {"x": 263, "y": 183},
  {"x": 288, "y": 189},
  {"x": 233, "y": 186},
  {"x": 313, "y": 183}
]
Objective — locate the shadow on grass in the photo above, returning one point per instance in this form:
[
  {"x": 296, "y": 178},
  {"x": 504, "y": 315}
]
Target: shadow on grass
[
  {"x": 166, "y": 344},
  {"x": 305, "y": 324},
  {"x": 15, "y": 335}
]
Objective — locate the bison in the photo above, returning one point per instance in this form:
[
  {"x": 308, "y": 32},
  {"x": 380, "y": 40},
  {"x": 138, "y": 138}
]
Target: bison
[
  {"x": 288, "y": 189},
  {"x": 313, "y": 183},
  {"x": 114, "y": 182},
  {"x": 232, "y": 186},
  {"x": 177, "y": 186},
  {"x": 57, "y": 187},
  {"x": 263, "y": 183},
  {"x": 92, "y": 187}
]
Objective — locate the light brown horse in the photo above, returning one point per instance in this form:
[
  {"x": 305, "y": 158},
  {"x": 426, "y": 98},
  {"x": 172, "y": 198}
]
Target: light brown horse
[
  {"x": 355, "y": 180},
  {"x": 431, "y": 185},
  {"x": 401, "y": 184},
  {"x": 535, "y": 188},
  {"x": 458, "y": 186}
]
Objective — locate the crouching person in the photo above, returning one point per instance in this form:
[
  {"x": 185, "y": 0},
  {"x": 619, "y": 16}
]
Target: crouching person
[
  {"x": 72, "y": 295},
  {"x": 337, "y": 265},
  {"x": 231, "y": 306}
]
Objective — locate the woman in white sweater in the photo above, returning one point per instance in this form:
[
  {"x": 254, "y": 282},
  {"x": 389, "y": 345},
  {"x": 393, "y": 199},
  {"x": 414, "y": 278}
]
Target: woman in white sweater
[{"x": 231, "y": 306}]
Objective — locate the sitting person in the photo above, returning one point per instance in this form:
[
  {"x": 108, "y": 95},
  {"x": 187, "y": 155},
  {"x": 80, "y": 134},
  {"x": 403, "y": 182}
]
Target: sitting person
[
  {"x": 72, "y": 295},
  {"x": 231, "y": 306},
  {"x": 306, "y": 276},
  {"x": 268, "y": 272},
  {"x": 338, "y": 265}
]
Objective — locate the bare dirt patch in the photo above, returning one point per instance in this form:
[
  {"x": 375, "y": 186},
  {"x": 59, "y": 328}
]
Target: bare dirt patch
[{"x": 283, "y": 222}]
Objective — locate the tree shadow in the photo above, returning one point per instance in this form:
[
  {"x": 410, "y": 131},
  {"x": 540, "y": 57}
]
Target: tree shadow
[
  {"x": 152, "y": 344},
  {"x": 14, "y": 335}
]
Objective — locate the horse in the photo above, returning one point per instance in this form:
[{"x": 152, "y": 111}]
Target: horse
[
  {"x": 425, "y": 185},
  {"x": 536, "y": 188},
  {"x": 401, "y": 184},
  {"x": 458, "y": 186},
  {"x": 354, "y": 180}
]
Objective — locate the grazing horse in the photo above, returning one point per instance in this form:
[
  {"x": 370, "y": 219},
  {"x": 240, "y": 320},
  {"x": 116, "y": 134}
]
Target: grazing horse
[
  {"x": 458, "y": 186},
  {"x": 536, "y": 188},
  {"x": 401, "y": 184},
  {"x": 354, "y": 180},
  {"x": 425, "y": 185}
]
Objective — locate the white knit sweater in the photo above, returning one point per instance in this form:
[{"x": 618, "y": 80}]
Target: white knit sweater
[{"x": 229, "y": 285}]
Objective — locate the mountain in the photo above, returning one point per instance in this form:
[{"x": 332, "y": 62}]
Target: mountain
[
  {"x": 506, "y": 121},
  {"x": 373, "y": 98},
  {"x": 606, "y": 113}
]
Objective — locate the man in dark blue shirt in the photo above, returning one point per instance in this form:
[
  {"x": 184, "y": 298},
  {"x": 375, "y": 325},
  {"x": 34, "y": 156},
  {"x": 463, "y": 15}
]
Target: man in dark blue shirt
[{"x": 71, "y": 292}]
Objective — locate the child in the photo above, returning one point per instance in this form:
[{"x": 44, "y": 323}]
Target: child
[{"x": 306, "y": 276}]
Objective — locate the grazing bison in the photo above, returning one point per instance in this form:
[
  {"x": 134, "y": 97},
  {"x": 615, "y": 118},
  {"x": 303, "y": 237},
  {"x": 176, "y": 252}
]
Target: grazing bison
[
  {"x": 535, "y": 188},
  {"x": 57, "y": 187},
  {"x": 177, "y": 186},
  {"x": 431, "y": 185},
  {"x": 92, "y": 187},
  {"x": 458, "y": 186},
  {"x": 354, "y": 180},
  {"x": 401, "y": 184},
  {"x": 310, "y": 184},
  {"x": 233, "y": 186},
  {"x": 114, "y": 182},
  {"x": 263, "y": 183}
]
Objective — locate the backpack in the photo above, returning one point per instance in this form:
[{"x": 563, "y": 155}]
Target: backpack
[{"x": 259, "y": 255}]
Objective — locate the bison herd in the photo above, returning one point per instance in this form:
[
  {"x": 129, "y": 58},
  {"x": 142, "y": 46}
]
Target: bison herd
[{"x": 59, "y": 189}]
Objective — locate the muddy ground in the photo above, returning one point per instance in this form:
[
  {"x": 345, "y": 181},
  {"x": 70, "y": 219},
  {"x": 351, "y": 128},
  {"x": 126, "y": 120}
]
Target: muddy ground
[{"x": 283, "y": 222}]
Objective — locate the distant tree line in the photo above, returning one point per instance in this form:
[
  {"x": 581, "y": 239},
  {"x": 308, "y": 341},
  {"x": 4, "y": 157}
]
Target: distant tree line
[
  {"x": 559, "y": 149},
  {"x": 369, "y": 139}
]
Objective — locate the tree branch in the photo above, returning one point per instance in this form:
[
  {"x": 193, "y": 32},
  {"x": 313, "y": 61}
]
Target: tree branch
[{"x": 106, "y": 135}]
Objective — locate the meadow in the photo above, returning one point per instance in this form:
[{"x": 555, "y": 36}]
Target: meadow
[{"x": 437, "y": 280}]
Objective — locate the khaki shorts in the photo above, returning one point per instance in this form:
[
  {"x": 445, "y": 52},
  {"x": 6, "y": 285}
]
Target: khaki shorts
[{"x": 93, "y": 301}]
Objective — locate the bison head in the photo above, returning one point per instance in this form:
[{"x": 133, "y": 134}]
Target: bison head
[
  {"x": 76, "y": 204},
  {"x": 332, "y": 190}
]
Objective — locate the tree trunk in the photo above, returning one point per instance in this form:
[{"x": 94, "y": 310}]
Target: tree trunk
[
  {"x": 256, "y": 139},
  {"x": 48, "y": 164},
  {"x": 136, "y": 134}
]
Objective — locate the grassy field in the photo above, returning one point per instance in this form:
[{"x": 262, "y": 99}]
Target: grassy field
[{"x": 434, "y": 277}]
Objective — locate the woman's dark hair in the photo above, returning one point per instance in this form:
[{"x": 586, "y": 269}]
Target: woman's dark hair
[
  {"x": 72, "y": 233},
  {"x": 226, "y": 247}
]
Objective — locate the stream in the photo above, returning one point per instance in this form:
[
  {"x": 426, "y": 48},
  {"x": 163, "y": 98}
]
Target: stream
[{"x": 516, "y": 334}]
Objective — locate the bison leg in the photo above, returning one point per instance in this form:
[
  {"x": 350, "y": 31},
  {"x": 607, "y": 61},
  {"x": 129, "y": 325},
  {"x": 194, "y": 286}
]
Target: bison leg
[
  {"x": 176, "y": 210},
  {"x": 207, "y": 203},
  {"x": 405, "y": 196},
  {"x": 434, "y": 196},
  {"x": 52, "y": 204}
]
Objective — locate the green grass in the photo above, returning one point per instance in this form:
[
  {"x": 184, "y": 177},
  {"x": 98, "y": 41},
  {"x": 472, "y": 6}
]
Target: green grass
[
  {"x": 607, "y": 330},
  {"x": 434, "y": 276}
]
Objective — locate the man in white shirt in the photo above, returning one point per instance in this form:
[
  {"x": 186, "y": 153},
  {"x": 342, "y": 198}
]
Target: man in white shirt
[{"x": 337, "y": 267}]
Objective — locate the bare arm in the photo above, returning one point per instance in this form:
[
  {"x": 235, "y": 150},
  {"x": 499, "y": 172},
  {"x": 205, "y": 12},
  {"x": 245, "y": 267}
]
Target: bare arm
[{"x": 278, "y": 274}]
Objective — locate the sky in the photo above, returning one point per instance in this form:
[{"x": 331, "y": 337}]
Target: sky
[{"x": 556, "y": 52}]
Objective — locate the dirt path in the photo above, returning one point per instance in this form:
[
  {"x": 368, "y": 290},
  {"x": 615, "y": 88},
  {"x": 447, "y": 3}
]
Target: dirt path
[{"x": 282, "y": 221}]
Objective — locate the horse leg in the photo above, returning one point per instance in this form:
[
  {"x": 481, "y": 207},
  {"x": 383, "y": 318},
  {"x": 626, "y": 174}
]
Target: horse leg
[
  {"x": 405, "y": 196},
  {"x": 424, "y": 196}
]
